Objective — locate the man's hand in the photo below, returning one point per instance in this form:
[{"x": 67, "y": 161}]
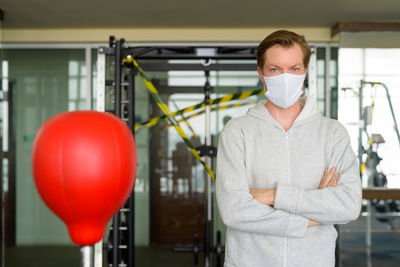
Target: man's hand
[
  {"x": 265, "y": 196},
  {"x": 313, "y": 223},
  {"x": 329, "y": 178}
]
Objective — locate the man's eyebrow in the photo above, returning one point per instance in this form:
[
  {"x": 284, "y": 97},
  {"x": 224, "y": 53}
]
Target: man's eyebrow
[{"x": 276, "y": 66}]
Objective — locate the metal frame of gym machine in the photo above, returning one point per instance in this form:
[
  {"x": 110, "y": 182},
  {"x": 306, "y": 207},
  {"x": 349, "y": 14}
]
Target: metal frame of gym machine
[
  {"x": 123, "y": 108},
  {"x": 123, "y": 254}
]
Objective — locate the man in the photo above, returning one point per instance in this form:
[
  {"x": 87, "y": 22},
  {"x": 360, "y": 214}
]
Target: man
[{"x": 285, "y": 174}]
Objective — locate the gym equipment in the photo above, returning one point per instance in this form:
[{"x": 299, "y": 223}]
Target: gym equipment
[
  {"x": 209, "y": 152},
  {"x": 120, "y": 246},
  {"x": 208, "y": 240},
  {"x": 366, "y": 119},
  {"x": 84, "y": 168},
  {"x": 124, "y": 58},
  {"x": 375, "y": 177}
]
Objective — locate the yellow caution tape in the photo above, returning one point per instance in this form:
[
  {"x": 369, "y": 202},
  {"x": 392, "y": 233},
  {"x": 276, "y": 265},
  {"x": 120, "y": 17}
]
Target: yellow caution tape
[
  {"x": 363, "y": 166},
  {"x": 164, "y": 108},
  {"x": 212, "y": 109},
  {"x": 186, "y": 122},
  {"x": 227, "y": 98}
]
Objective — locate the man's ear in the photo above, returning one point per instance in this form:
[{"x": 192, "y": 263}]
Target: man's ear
[{"x": 260, "y": 74}]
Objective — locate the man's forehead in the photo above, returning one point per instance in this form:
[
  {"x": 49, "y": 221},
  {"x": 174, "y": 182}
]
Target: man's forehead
[
  {"x": 278, "y": 47},
  {"x": 278, "y": 53}
]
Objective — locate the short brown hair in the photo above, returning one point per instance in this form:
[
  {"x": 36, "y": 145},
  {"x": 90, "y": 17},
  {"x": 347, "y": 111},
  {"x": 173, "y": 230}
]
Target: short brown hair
[{"x": 284, "y": 39}]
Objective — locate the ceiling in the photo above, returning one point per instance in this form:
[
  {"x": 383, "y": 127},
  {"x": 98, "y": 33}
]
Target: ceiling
[{"x": 193, "y": 13}]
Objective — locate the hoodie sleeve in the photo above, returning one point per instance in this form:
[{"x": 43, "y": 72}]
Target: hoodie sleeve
[
  {"x": 238, "y": 209},
  {"x": 330, "y": 205}
]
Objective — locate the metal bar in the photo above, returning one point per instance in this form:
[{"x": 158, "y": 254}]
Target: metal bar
[
  {"x": 360, "y": 125},
  {"x": 101, "y": 83},
  {"x": 5, "y": 122},
  {"x": 200, "y": 67},
  {"x": 382, "y": 215},
  {"x": 327, "y": 82},
  {"x": 100, "y": 106},
  {"x": 193, "y": 52},
  {"x": 88, "y": 62},
  {"x": 117, "y": 90},
  {"x": 118, "y": 77},
  {"x": 208, "y": 233},
  {"x": 86, "y": 256},
  {"x": 50, "y": 45},
  {"x": 391, "y": 110},
  {"x": 131, "y": 200},
  {"x": 98, "y": 254},
  {"x": 4, "y": 146},
  {"x": 191, "y": 44},
  {"x": 131, "y": 99},
  {"x": 372, "y": 231},
  {"x": 312, "y": 74},
  {"x": 368, "y": 234},
  {"x": 193, "y": 56}
]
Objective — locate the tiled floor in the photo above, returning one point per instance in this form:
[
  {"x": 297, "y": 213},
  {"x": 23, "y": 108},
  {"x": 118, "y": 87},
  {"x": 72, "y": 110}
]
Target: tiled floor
[{"x": 385, "y": 251}]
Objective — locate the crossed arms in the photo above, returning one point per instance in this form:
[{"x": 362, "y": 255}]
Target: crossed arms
[
  {"x": 267, "y": 196},
  {"x": 286, "y": 210}
]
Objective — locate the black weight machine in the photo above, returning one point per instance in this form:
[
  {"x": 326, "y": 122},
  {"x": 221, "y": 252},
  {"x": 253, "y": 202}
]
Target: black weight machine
[{"x": 121, "y": 99}]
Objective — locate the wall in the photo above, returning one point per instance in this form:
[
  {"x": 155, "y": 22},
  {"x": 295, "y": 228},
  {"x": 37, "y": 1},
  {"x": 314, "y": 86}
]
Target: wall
[
  {"x": 45, "y": 84},
  {"x": 321, "y": 34}
]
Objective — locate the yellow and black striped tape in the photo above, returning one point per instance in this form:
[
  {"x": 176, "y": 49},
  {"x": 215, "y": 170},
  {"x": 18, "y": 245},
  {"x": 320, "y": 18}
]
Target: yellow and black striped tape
[
  {"x": 186, "y": 122},
  {"x": 164, "y": 108},
  {"x": 220, "y": 100},
  {"x": 212, "y": 109}
]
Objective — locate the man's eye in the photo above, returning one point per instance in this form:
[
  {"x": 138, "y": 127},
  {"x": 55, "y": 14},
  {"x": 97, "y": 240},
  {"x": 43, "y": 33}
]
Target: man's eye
[
  {"x": 296, "y": 69},
  {"x": 274, "y": 69}
]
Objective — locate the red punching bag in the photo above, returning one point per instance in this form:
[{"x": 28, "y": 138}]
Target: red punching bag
[{"x": 84, "y": 167}]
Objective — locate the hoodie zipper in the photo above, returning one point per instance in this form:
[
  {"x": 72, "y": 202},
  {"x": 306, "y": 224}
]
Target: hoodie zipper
[
  {"x": 288, "y": 155},
  {"x": 290, "y": 182}
]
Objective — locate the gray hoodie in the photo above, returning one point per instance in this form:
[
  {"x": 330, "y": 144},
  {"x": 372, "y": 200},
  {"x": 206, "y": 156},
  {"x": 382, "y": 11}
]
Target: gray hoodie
[{"x": 254, "y": 151}]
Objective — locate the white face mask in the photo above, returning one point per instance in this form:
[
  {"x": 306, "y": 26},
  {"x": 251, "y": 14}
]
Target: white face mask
[{"x": 284, "y": 89}]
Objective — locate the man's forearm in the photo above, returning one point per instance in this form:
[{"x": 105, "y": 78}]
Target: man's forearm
[{"x": 265, "y": 196}]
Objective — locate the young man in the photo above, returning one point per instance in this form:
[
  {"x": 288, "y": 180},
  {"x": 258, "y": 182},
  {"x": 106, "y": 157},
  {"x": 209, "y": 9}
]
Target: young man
[{"x": 285, "y": 174}]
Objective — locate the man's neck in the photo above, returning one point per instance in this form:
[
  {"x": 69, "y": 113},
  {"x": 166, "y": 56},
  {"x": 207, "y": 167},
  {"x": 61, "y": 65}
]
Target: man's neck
[{"x": 285, "y": 117}]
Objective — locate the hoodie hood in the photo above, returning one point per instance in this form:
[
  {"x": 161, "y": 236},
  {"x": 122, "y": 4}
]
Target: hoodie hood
[{"x": 307, "y": 114}]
